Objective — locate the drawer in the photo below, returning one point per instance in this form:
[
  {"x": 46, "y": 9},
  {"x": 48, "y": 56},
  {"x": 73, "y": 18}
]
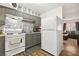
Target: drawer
[{"x": 14, "y": 51}]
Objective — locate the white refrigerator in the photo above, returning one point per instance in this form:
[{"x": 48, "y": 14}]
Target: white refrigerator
[{"x": 52, "y": 35}]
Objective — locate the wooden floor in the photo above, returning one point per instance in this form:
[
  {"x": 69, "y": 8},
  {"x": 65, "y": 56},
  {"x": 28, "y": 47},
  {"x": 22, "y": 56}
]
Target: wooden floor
[
  {"x": 70, "y": 49},
  {"x": 36, "y": 53}
]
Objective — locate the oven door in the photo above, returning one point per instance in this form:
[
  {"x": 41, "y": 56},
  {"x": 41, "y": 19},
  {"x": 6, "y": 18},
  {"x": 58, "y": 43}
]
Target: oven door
[{"x": 14, "y": 41}]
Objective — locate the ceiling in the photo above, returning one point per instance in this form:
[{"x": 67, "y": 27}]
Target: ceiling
[
  {"x": 69, "y": 10},
  {"x": 44, "y": 7}
]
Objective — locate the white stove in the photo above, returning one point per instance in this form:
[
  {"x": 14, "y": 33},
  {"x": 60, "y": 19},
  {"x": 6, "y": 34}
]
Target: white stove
[{"x": 14, "y": 38}]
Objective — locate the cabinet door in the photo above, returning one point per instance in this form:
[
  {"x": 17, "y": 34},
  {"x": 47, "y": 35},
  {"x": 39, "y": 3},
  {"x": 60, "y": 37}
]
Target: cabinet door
[
  {"x": 2, "y": 16},
  {"x": 2, "y": 43},
  {"x": 2, "y": 53},
  {"x": 2, "y": 46},
  {"x": 34, "y": 39},
  {"x": 25, "y": 16},
  {"x": 29, "y": 41},
  {"x": 1, "y": 10},
  {"x": 18, "y": 13},
  {"x": 38, "y": 38},
  {"x": 2, "y": 20},
  {"x": 10, "y": 11},
  {"x": 37, "y": 22}
]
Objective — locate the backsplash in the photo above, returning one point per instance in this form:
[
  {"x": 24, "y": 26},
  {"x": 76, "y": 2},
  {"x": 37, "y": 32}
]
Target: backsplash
[{"x": 27, "y": 27}]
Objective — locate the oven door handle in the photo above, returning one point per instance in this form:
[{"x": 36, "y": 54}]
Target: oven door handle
[{"x": 21, "y": 40}]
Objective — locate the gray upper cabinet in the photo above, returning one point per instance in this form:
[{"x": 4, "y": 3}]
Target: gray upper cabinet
[
  {"x": 25, "y": 16},
  {"x": 2, "y": 11},
  {"x": 37, "y": 22},
  {"x": 5, "y": 10},
  {"x": 2, "y": 16},
  {"x": 18, "y": 13},
  {"x": 2, "y": 20},
  {"x": 11, "y": 11}
]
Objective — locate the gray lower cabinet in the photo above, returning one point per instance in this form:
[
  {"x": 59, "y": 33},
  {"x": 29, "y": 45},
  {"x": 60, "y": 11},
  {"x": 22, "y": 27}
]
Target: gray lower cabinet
[
  {"x": 2, "y": 45},
  {"x": 32, "y": 39},
  {"x": 38, "y": 37}
]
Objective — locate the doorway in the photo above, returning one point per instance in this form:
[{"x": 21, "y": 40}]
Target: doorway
[{"x": 70, "y": 39}]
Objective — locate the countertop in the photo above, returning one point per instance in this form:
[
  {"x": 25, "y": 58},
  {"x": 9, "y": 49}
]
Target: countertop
[
  {"x": 2, "y": 34},
  {"x": 26, "y": 33},
  {"x": 33, "y": 33}
]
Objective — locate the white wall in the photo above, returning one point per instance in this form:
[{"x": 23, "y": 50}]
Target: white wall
[{"x": 71, "y": 11}]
